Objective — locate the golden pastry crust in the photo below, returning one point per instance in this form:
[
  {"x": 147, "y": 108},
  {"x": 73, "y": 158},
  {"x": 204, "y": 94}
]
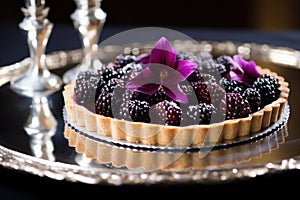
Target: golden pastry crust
[{"x": 193, "y": 135}]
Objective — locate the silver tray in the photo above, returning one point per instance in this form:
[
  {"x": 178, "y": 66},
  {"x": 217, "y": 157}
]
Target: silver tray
[{"x": 272, "y": 153}]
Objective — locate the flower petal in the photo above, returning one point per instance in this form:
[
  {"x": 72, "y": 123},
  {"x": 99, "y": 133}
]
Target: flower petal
[
  {"x": 174, "y": 92},
  {"x": 144, "y": 58},
  {"x": 185, "y": 67},
  {"x": 163, "y": 53},
  {"x": 240, "y": 60},
  {"x": 250, "y": 72},
  {"x": 149, "y": 88},
  {"x": 251, "y": 69},
  {"x": 170, "y": 74},
  {"x": 144, "y": 77}
]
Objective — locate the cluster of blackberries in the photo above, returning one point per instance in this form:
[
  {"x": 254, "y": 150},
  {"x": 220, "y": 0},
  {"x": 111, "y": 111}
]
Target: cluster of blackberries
[{"x": 213, "y": 97}]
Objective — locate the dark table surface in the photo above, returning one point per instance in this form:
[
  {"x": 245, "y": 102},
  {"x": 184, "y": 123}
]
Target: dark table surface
[{"x": 16, "y": 184}]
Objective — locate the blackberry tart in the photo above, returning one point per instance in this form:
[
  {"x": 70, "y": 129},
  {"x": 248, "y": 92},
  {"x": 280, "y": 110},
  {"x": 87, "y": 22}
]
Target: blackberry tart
[{"x": 169, "y": 98}]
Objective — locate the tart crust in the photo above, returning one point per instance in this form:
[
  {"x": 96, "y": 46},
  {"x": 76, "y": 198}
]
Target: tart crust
[{"x": 193, "y": 135}]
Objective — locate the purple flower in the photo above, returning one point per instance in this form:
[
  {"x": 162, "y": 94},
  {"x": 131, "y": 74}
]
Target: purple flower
[
  {"x": 162, "y": 68},
  {"x": 243, "y": 71}
]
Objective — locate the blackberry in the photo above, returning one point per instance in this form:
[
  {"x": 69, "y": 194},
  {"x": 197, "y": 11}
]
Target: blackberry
[
  {"x": 199, "y": 114},
  {"x": 226, "y": 61},
  {"x": 173, "y": 112},
  {"x": 268, "y": 88},
  {"x": 124, "y": 59},
  {"x": 186, "y": 55},
  {"x": 190, "y": 113},
  {"x": 205, "y": 113},
  {"x": 208, "y": 92},
  {"x": 231, "y": 85},
  {"x": 111, "y": 84},
  {"x": 140, "y": 96},
  {"x": 139, "y": 111},
  {"x": 100, "y": 85},
  {"x": 124, "y": 107},
  {"x": 158, "y": 96},
  {"x": 103, "y": 104},
  {"x": 158, "y": 113},
  {"x": 123, "y": 102},
  {"x": 253, "y": 97},
  {"x": 167, "y": 113},
  {"x": 235, "y": 106},
  {"x": 271, "y": 79},
  {"x": 85, "y": 88},
  {"x": 86, "y": 75},
  {"x": 137, "y": 67},
  {"x": 209, "y": 66},
  {"x": 187, "y": 88},
  {"x": 237, "y": 90},
  {"x": 222, "y": 69},
  {"x": 196, "y": 76},
  {"x": 217, "y": 93},
  {"x": 110, "y": 72},
  {"x": 124, "y": 112},
  {"x": 202, "y": 92},
  {"x": 118, "y": 92},
  {"x": 209, "y": 78},
  {"x": 202, "y": 56}
]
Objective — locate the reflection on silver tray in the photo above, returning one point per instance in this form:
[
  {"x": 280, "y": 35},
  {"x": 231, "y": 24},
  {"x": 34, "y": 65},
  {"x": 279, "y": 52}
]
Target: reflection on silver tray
[
  {"x": 106, "y": 173},
  {"x": 138, "y": 160}
]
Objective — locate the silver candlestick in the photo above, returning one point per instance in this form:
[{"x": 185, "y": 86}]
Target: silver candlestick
[
  {"x": 37, "y": 82},
  {"x": 88, "y": 20}
]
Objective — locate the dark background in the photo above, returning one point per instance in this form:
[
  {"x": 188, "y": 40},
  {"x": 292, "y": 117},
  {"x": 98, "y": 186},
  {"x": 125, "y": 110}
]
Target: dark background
[{"x": 254, "y": 14}]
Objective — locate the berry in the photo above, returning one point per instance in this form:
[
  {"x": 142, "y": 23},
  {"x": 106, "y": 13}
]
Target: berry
[
  {"x": 231, "y": 85},
  {"x": 100, "y": 85},
  {"x": 140, "y": 96},
  {"x": 167, "y": 113},
  {"x": 124, "y": 105},
  {"x": 202, "y": 92},
  {"x": 173, "y": 113},
  {"x": 139, "y": 111},
  {"x": 186, "y": 55},
  {"x": 111, "y": 84},
  {"x": 253, "y": 97},
  {"x": 85, "y": 88},
  {"x": 132, "y": 67},
  {"x": 110, "y": 72},
  {"x": 124, "y": 59},
  {"x": 201, "y": 113},
  {"x": 226, "y": 61},
  {"x": 209, "y": 78},
  {"x": 202, "y": 56},
  {"x": 208, "y": 92},
  {"x": 209, "y": 66},
  {"x": 217, "y": 93},
  {"x": 205, "y": 112},
  {"x": 235, "y": 106},
  {"x": 196, "y": 76},
  {"x": 103, "y": 104},
  {"x": 158, "y": 96},
  {"x": 268, "y": 88}
]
